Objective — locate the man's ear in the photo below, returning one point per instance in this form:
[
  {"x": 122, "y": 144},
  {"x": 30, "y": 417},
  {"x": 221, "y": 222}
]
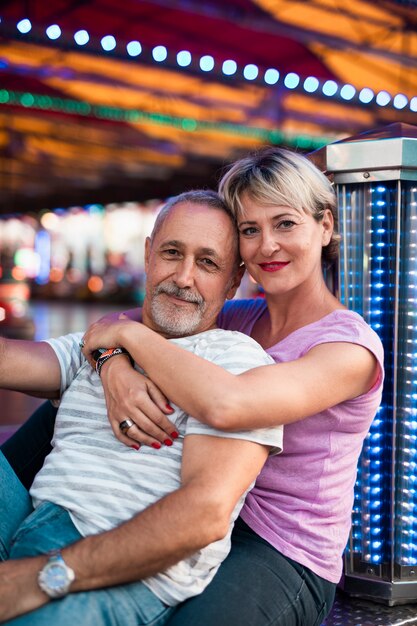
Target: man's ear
[
  {"x": 236, "y": 280},
  {"x": 147, "y": 252}
]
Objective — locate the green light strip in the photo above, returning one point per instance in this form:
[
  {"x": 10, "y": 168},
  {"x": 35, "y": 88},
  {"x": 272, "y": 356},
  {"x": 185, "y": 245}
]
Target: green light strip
[{"x": 135, "y": 116}]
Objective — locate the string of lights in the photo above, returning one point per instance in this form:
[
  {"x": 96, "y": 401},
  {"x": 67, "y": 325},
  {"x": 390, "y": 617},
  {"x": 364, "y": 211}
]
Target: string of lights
[
  {"x": 228, "y": 69},
  {"x": 42, "y": 102}
]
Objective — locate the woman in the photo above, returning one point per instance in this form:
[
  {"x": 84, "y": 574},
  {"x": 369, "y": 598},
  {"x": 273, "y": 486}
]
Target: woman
[{"x": 325, "y": 388}]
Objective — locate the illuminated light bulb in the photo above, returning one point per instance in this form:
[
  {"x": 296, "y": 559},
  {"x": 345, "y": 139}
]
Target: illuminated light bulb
[
  {"x": 292, "y": 80},
  {"x": 184, "y": 58},
  {"x": 207, "y": 63},
  {"x": 108, "y": 43},
  {"x": 229, "y": 67},
  {"x": 311, "y": 84},
  {"x": 271, "y": 76},
  {"x": 366, "y": 95},
  {"x": 81, "y": 37},
  {"x": 347, "y": 92},
  {"x": 400, "y": 101},
  {"x": 53, "y": 31},
  {"x": 134, "y": 48},
  {"x": 250, "y": 71},
  {"x": 329, "y": 88},
  {"x": 24, "y": 26},
  {"x": 383, "y": 98}
]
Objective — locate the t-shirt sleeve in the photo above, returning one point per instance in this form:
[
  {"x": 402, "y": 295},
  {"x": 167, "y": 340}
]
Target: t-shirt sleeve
[
  {"x": 239, "y": 357},
  {"x": 69, "y": 355}
]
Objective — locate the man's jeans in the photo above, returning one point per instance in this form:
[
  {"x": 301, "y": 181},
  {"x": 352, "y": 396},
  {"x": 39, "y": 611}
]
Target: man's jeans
[{"x": 24, "y": 532}]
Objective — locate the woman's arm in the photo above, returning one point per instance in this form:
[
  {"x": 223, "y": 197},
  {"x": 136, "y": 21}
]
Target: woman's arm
[{"x": 265, "y": 396}]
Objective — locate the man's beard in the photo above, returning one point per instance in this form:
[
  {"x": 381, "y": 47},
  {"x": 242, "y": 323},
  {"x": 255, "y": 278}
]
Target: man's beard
[{"x": 176, "y": 320}]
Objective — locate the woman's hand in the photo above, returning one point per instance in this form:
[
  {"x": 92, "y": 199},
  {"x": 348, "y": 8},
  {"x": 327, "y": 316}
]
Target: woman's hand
[
  {"x": 105, "y": 333},
  {"x": 131, "y": 395}
]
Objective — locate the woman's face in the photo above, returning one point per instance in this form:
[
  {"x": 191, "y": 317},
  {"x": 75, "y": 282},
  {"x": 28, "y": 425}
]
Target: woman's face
[{"x": 281, "y": 246}]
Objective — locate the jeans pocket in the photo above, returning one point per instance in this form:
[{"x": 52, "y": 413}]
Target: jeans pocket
[{"x": 321, "y": 616}]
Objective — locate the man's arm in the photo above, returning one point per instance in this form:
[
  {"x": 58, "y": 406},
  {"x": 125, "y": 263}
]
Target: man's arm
[
  {"x": 215, "y": 472},
  {"x": 28, "y": 366}
]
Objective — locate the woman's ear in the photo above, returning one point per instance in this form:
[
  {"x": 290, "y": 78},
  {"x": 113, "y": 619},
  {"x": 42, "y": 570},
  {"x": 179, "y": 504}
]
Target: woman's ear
[{"x": 327, "y": 224}]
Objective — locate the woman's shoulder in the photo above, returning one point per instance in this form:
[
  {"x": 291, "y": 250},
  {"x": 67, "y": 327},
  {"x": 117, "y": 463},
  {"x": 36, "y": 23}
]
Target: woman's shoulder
[
  {"x": 241, "y": 314},
  {"x": 347, "y": 326}
]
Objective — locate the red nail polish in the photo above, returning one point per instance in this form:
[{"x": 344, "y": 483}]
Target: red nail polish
[
  {"x": 174, "y": 435},
  {"x": 169, "y": 408},
  {"x": 135, "y": 446},
  {"x": 168, "y": 442},
  {"x": 156, "y": 446}
]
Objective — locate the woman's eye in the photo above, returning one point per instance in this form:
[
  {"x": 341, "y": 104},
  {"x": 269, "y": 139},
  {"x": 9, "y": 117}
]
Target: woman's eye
[
  {"x": 285, "y": 224},
  {"x": 250, "y": 230}
]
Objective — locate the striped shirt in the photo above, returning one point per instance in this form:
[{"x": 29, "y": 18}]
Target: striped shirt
[{"x": 102, "y": 482}]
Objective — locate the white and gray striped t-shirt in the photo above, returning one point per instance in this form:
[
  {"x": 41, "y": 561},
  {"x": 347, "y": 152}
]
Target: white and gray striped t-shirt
[{"x": 102, "y": 482}]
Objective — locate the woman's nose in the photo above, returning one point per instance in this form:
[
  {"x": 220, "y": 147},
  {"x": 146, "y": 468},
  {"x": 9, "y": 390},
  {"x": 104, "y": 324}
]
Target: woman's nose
[{"x": 269, "y": 244}]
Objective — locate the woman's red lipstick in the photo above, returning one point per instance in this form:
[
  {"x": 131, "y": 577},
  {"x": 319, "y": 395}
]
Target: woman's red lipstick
[{"x": 275, "y": 266}]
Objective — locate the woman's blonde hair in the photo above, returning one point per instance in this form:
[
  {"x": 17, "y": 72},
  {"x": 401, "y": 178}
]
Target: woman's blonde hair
[{"x": 281, "y": 177}]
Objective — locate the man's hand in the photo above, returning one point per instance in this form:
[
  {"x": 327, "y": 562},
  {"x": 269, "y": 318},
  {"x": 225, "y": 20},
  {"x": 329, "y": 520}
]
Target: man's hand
[{"x": 19, "y": 591}]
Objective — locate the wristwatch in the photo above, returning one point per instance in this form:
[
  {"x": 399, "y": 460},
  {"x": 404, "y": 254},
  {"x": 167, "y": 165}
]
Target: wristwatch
[{"x": 55, "y": 577}]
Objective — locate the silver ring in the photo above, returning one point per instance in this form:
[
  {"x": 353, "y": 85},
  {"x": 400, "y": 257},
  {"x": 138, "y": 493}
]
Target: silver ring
[
  {"x": 125, "y": 425},
  {"x": 82, "y": 343}
]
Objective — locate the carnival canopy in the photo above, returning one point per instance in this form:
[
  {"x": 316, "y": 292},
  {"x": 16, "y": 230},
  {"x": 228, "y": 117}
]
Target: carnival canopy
[{"x": 105, "y": 101}]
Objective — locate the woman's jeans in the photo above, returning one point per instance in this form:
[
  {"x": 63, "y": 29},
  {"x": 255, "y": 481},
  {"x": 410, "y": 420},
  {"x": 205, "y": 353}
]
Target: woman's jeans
[
  {"x": 255, "y": 586},
  {"x": 24, "y": 532}
]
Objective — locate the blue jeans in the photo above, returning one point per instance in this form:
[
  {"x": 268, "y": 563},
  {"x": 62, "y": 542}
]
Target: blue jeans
[
  {"x": 255, "y": 586},
  {"x": 24, "y": 532}
]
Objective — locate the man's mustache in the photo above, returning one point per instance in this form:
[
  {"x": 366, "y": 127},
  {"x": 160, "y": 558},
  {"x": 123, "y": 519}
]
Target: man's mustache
[{"x": 184, "y": 294}]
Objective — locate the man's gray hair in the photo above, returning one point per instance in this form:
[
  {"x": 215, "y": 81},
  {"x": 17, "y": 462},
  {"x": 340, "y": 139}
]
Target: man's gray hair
[{"x": 208, "y": 197}]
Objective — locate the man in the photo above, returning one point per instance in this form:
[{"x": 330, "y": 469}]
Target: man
[{"x": 159, "y": 508}]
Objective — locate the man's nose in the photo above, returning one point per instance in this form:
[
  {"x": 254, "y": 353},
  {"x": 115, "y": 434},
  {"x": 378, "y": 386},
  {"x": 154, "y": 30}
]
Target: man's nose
[{"x": 185, "y": 274}]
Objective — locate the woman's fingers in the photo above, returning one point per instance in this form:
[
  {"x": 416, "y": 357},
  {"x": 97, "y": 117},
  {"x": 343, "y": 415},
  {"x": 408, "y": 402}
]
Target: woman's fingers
[{"x": 143, "y": 431}]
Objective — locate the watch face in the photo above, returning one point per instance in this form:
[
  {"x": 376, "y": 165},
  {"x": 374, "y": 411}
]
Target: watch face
[{"x": 57, "y": 576}]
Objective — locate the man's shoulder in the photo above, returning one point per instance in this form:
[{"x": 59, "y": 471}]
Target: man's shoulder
[{"x": 218, "y": 344}]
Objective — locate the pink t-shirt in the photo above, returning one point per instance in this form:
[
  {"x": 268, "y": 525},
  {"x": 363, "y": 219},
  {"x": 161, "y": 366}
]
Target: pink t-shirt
[{"x": 302, "y": 500}]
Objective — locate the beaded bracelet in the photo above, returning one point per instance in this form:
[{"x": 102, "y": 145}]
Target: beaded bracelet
[{"x": 104, "y": 354}]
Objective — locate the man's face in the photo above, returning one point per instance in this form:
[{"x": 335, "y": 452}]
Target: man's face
[{"x": 191, "y": 270}]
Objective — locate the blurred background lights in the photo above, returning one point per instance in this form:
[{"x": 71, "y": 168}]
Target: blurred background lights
[
  {"x": 400, "y": 101},
  {"x": 24, "y": 26},
  {"x": 271, "y": 76},
  {"x": 133, "y": 48},
  {"x": 383, "y": 98},
  {"x": 292, "y": 80},
  {"x": 159, "y": 54},
  {"x": 81, "y": 37},
  {"x": 108, "y": 43},
  {"x": 184, "y": 58},
  {"x": 229, "y": 67},
  {"x": 311, "y": 84},
  {"x": 250, "y": 71},
  {"x": 366, "y": 95},
  {"x": 347, "y": 92},
  {"x": 329, "y": 88},
  {"x": 206, "y": 63},
  {"x": 53, "y": 31},
  {"x": 413, "y": 104}
]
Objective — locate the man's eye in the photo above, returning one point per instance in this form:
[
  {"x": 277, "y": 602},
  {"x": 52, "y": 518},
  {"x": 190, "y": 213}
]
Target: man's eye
[
  {"x": 208, "y": 262},
  {"x": 171, "y": 252}
]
